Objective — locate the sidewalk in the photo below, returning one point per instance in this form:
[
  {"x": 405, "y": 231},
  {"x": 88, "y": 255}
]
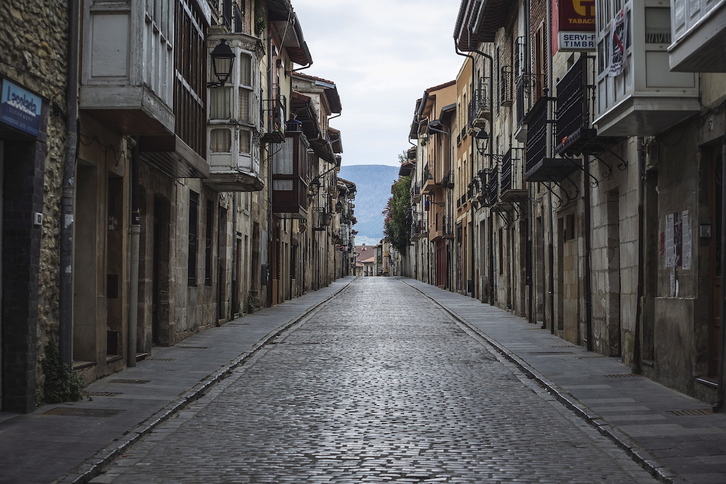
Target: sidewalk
[
  {"x": 675, "y": 436},
  {"x": 69, "y": 442}
]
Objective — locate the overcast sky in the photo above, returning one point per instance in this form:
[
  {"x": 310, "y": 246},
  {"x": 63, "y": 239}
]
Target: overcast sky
[{"x": 382, "y": 55}]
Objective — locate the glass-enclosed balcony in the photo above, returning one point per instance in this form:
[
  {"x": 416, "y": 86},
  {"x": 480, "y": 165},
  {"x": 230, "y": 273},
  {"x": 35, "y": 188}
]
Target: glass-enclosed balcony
[
  {"x": 637, "y": 93},
  {"x": 699, "y": 36}
]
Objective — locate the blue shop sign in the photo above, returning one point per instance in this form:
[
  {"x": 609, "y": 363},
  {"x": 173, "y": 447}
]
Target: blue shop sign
[{"x": 20, "y": 108}]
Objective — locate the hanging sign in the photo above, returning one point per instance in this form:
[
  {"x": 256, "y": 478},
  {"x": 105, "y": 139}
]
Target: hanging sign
[
  {"x": 20, "y": 108},
  {"x": 573, "y": 25}
]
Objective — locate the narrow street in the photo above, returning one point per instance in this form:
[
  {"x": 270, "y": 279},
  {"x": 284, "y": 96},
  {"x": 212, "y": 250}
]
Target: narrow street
[{"x": 377, "y": 385}]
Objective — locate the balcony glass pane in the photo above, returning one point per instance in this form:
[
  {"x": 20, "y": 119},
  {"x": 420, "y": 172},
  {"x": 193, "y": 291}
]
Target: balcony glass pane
[
  {"x": 244, "y": 142},
  {"x": 245, "y": 70},
  {"x": 220, "y": 141},
  {"x": 282, "y": 185},
  {"x": 220, "y": 104},
  {"x": 282, "y": 161},
  {"x": 245, "y": 114},
  {"x": 657, "y": 26}
]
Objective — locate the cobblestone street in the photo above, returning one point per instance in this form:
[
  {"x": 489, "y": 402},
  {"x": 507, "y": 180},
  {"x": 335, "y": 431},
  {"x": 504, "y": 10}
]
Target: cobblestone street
[{"x": 362, "y": 392}]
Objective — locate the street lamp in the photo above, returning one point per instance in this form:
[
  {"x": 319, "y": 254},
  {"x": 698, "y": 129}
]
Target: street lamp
[
  {"x": 482, "y": 140},
  {"x": 222, "y": 62}
]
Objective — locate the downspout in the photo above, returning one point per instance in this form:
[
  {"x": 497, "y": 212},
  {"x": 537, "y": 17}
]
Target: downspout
[
  {"x": 637, "y": 350},
  {"x": 551, "y": 246},
  {"x": 135, "y": 235},
  {"x": 719, "y": 406},
  {"x": 65, "y": 335},
  {"x": 529, "y": 269},
  {"x": 270, "y": 226},
  {"x": 236, "y": 309},
  {"x": 588, "y": 253}
]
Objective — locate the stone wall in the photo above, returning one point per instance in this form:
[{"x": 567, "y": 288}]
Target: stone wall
[{"x": 35, "y": 58}]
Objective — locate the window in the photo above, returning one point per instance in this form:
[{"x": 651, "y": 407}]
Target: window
[
  {"x": 193, "y": 232},
  {"x": 245, "y": 145},
  {"x": 657, "y": 26},
  {"x": 220, "y": 140},
  {"x": 245, "y": 88}
]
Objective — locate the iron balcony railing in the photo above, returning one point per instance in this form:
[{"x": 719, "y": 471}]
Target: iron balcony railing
[
  {"x": 529, "y": 89},
  {"x": 506, "y": 179},
  {"x": 505, "y": 86},
  {"x": 275, "y": 114},
  {"x": 492, "y": 188},
  {"x": 573, "y": 110},
  {"x": 536, "y": 135},
  {"x": 480, "y": 104}
]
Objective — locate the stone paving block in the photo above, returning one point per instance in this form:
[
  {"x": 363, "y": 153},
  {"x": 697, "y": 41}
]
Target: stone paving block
[{"x": 356, "y": 394}]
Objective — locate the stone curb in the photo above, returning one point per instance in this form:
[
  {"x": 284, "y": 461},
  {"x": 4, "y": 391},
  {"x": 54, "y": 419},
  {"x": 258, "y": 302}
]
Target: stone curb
[
  {"x": 94, "y": 465},
  {"x": 622, "y": 440}
]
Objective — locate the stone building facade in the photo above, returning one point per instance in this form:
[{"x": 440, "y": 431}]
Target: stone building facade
[
  {"x": 33, "y": 135},
  {"x": 140, "y": 206},
  {"x": 597, "y": 192}
]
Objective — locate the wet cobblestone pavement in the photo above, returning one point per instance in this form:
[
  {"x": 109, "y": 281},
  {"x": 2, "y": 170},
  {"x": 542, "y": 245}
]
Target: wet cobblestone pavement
[{"x": 379, "y": 385}]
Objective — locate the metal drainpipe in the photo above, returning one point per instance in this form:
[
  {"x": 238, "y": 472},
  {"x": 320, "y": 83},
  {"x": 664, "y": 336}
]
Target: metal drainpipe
[
  {"x": 65, "y": 335},
  {"x": 719, "y": 406},
  {"x": 270, "y": 227},
  {"x": 637, "y": 351},
  {"x": 588, "y": 253},
  {"x": 552, "y": 262},
  {"x": 530, "y": 264},
  {"x": 135, "y": 235},
  {"x": 549, "y": 191},
  {"x": 236, "y": 306}
]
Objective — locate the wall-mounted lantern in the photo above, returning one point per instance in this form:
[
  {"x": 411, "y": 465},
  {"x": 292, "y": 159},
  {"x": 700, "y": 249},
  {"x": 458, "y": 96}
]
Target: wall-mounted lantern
[
  {"x": 482, "y": 140},
  {"x": 222, "y": 63}
]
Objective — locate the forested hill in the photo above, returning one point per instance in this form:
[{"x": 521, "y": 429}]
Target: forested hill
[{"x": 374, "y": 189}]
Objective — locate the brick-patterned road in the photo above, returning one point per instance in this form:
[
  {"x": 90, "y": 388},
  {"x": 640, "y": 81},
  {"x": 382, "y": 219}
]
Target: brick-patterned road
[{"x": 377, "y": 386}]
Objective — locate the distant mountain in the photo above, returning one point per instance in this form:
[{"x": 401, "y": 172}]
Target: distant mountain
[{"x": 373, "y": 183}]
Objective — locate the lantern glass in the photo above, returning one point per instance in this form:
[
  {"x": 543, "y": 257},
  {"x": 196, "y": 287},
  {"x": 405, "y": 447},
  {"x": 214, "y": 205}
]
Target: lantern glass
[{"x": 222, "y": 62}]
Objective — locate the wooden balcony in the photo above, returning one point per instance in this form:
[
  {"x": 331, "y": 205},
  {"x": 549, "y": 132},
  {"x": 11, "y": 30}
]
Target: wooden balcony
[{"x": 289, "y": 177}]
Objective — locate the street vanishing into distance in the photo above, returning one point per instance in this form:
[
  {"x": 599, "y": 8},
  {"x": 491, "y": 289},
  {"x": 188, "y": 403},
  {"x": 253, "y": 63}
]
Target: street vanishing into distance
[{"x": 377, "y": 385}]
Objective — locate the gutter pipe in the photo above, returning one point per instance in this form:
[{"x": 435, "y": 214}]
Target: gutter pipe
[
  {"x": 65, "y": 335},
  {"x": 640, "y": 300},
  {"x": 134, "y": 238}
]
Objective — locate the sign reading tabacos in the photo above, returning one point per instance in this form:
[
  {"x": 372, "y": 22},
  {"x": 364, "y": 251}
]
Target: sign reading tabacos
[
  {"x": 573, "y": 25},
  {"x": 20, "y": 108}
]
